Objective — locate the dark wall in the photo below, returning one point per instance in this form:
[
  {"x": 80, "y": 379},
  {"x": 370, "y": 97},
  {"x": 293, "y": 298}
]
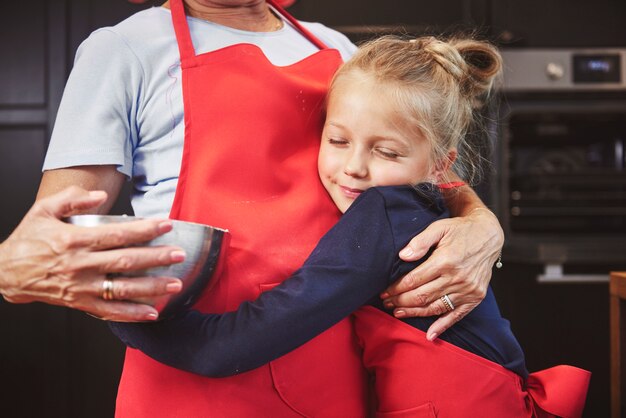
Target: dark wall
[{"x": 57, "y": 363}]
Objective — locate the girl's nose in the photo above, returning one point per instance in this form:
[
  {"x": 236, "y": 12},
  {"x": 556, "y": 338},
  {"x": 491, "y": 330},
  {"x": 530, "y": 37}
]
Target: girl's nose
[{"x": 356, "y": 166}]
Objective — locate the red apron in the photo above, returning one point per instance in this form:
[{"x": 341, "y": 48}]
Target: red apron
[
  {"x": 417, "y": 378},
  {"x": 252, "y": 133}
]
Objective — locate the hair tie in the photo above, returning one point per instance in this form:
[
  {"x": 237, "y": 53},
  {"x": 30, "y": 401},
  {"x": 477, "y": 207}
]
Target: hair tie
[{"x": 451, "y": 185}]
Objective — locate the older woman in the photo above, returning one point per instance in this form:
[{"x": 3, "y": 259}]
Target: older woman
[{"x": 213, "y": 107}]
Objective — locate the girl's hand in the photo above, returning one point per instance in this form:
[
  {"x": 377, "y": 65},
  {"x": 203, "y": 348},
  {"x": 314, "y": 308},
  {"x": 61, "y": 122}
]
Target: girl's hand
[{"x": 460, "y": 266}]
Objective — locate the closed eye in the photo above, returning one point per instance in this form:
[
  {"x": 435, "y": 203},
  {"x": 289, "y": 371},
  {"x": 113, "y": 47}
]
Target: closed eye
[
  {"x": 387, "y": 153},
  {"x": 337, "y": 141}
]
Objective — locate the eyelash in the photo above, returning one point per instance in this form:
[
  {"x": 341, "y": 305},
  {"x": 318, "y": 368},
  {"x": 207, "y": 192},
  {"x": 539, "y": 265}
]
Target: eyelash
[
  {"x": 337, "y": 141},
  {"x": 388, "y": 154}
]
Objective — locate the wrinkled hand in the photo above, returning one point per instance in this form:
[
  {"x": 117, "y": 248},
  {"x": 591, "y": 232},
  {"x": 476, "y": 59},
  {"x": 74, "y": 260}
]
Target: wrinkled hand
[
  {"x": 460, "y": 266},
  {"x": 47, "y": 260}
]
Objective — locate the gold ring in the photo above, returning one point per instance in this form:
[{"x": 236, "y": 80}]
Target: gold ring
[
  {"x": 447, "y": 303},
  {"x": 107, "y": 289}
]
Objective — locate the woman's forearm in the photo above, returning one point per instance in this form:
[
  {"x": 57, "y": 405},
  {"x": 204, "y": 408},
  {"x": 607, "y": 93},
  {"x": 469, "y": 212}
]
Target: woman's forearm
[
  {"x": 95, "y": 177},
  {"x": 461, "y": 200}
]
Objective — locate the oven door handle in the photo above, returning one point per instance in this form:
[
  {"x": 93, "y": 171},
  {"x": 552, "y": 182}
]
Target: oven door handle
[{"x": 553, "y": 273}]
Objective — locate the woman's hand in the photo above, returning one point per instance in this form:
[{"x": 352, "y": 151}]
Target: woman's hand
[
  {"x": 47, "y": 260},
  {"x": 460, "y": 267}
]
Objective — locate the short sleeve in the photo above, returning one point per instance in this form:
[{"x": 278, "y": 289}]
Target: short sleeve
[{"x": 95, "y": 122}]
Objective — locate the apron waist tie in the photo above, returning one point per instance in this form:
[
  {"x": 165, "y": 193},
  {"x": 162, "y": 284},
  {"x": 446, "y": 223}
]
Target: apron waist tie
[{"x": 558, "y": 391}]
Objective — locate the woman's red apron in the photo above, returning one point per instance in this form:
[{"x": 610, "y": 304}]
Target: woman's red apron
[
  {"x": 252, "y": 133},
  {"x": 417, "y": 378}
]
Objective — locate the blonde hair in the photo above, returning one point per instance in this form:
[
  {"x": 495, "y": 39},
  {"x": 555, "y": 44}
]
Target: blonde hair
[{"x": 437, "y": 84}]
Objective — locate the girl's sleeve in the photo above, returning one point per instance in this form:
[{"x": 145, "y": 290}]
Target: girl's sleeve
[{"x": 350, "y": 265}]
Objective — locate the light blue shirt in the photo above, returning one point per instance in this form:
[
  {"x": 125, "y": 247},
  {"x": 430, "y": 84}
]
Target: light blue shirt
[{"x": 123, "y": 105}]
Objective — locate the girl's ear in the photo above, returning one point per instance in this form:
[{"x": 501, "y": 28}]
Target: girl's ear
[{"x": 442, "y": 166}]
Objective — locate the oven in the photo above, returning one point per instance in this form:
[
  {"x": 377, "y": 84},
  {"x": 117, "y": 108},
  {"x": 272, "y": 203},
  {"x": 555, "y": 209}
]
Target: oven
[{"x": 560, "y": 189}]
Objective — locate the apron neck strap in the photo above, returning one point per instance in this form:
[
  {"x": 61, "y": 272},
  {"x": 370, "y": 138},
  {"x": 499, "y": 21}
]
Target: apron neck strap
[
  {"x": 181, "y": 28},
  {"x": 183, "y": 35},
  {"x": 307, "y": 34}
]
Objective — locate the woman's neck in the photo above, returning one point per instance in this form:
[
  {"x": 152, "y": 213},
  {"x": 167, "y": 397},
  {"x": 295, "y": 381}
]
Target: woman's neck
[{"x": 248, "y": 15}]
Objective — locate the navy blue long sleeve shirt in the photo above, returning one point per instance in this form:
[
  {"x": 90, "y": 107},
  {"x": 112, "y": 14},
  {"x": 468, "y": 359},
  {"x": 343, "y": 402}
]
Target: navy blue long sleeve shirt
[{"x": 350, "y": 266}]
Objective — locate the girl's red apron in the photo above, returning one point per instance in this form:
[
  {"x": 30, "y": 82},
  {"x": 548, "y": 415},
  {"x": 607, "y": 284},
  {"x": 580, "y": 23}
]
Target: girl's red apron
[
  {"x": 417, "y": 378},
  {"x": 252, "y": 133}
]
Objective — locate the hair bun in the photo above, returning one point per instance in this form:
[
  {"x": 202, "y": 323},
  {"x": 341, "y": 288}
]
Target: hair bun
[{"x": 483, "y": 65}]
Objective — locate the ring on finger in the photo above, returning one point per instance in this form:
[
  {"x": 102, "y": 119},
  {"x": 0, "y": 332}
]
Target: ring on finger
[
  {"x": 107, "y": 289},
  {"x": 447, "y": 303}
]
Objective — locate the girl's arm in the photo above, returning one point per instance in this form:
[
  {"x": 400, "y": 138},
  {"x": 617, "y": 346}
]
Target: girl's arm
[{"x": 349, "y": 266}]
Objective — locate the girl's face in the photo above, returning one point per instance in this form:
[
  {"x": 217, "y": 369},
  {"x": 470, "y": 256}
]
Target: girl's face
[{"x": 367, "y": 142}]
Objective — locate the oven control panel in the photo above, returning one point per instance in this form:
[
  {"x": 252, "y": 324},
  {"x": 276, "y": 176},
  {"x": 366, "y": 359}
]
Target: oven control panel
[{"x": 564, "y": 69}]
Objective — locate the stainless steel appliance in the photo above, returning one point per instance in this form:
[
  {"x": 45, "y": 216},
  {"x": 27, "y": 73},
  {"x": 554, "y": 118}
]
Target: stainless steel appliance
[{"x": 561, "y": 186}]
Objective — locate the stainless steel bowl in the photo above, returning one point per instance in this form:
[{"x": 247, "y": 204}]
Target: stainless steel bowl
[{"x": 204, "y": 246}]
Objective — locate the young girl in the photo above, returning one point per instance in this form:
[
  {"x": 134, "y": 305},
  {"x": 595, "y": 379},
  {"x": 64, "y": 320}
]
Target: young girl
[{"x": 396, "y": 114}]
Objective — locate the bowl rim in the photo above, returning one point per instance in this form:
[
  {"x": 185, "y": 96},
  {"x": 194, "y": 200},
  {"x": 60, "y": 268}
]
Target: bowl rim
[{"x": 132, "y": 218}]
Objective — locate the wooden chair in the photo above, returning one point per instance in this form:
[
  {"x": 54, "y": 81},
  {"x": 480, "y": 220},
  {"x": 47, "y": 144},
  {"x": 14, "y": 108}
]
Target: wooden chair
[{"x": 617, "y": 291}]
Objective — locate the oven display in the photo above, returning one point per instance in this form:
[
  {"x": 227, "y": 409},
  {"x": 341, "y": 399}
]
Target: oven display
[{"x": 597, "y": 68}]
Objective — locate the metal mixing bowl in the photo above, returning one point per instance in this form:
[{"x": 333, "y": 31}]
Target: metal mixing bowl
[{"x": 203, "y": 245}]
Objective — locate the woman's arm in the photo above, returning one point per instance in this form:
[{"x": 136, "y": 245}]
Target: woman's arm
[
  {"x": 47, "y": 260},
  {"x": 466, "y": 247},
  {"x": 96, "y": 177},
  {"x": 350, "y": 265}
]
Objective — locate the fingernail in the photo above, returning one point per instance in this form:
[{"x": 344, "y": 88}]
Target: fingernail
[
  {"x": 152, "y": 316},
  {"x": 384, "y": 295},
  {"x": 407, "y": 252},
  {"x": 432, "y": 336},
  {"x": 97, "y": 194},
  {"x": 399, "y": 314},
  {"x": 177, "y": 256},
  {"x": 173, "y": 287},
  {"x": 388, "y": 304},
  {"x": 165, "y": 226}
]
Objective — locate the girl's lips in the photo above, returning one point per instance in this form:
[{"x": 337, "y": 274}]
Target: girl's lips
[{"x": 351, "y": 193}]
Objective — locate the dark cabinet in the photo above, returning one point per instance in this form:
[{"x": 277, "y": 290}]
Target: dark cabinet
[
  {"x": 559, "y": 23},
  {"x": 374, "y": 13},
  {"x": 362, "y": 19},
  {"x": 23, "y": 32},
  {"x": 559, "y": 323}
]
